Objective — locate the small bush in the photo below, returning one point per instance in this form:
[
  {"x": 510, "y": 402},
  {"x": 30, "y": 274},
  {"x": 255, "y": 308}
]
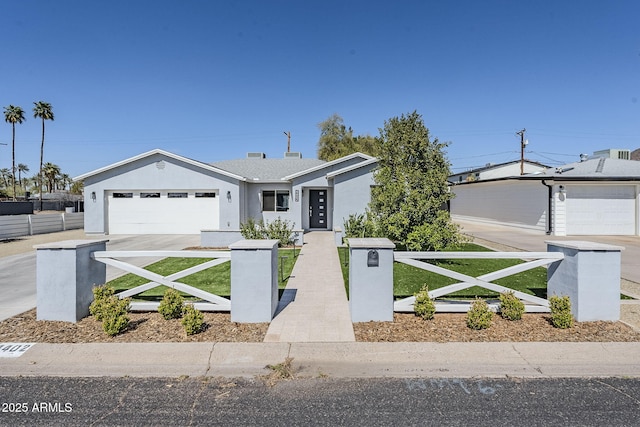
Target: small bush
[
  {"x": 114, "y": 315},
  {"x": 561, "y": 316},
  {"x": 479, "y": 315},
  {"x": 192, "y": 320},
  {"x": 511, "y": 308},
  {"x": 100, "y": 295},
  {"x": 171, "y": 305},
  {"x": 424, "y": 306},
  {"x": 360, "y": 225},
  {"x": 278, "y": 229},
  {"x": 252, "y": 230}
]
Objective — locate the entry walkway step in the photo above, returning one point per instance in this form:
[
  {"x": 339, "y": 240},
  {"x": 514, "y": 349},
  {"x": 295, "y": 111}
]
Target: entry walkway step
[{"x": 314, "y": 306}]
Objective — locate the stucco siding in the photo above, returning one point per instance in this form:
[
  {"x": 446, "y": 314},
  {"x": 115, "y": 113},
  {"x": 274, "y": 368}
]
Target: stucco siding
[
  {"x": 156, "y": 172},
  {"x": 352, "y": 193},
  {"x": 523, "y": 203}
]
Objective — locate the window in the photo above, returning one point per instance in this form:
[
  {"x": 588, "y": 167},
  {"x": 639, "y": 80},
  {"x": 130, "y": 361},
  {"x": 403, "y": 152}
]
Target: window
[
  {"x": 211, "y": 195},
  {"x": 149, "y": 195},
  {"x": 177, "y": 195},
  {"x": 122, "y": 195},
  {"x": 275, "y": 201}
]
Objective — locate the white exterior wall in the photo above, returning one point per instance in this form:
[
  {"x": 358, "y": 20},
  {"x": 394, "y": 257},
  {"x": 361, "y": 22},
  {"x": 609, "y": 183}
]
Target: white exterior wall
[
  {"x": 509, "y": 170},
  {"x": 352, "y": 193},
  {"x": 596, "y": 209},
  {"x": 147, "y": 174},
  {"x": 254, "y": 203},
  {"x": 521, "y": 203}
]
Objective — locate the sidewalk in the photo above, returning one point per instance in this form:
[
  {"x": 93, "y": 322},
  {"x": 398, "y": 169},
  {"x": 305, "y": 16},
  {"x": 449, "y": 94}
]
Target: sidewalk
[
  {"x": 337, "y": 360},
  {"x": 314, "y": 306}
]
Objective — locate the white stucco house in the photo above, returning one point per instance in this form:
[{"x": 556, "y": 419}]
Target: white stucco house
[
  {"x": 599, "y": 196},
  {"x": 497, "y": 170},
  {"x": 159, "y": 192}
]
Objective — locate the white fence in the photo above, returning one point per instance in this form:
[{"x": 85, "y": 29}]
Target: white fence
[
  {"x": 28, "y": 225},
  {"x": 534, "y": 259},
  {"x": 212, "y": 302}
]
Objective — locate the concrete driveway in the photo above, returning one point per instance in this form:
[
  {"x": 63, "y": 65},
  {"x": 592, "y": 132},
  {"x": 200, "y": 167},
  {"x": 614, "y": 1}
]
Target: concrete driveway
[{"x": 18, "y": 262}]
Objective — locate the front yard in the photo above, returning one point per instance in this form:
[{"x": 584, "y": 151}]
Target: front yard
[{"x": 408, "y": 280}]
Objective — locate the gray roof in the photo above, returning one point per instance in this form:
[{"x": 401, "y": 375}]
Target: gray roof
[
  {"x": 595, "y": 168},
  {"x": 266, "y": 169}
]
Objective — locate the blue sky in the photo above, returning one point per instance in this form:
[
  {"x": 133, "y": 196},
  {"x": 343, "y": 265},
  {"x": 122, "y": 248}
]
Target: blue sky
[{"x": 213, "y": 80}]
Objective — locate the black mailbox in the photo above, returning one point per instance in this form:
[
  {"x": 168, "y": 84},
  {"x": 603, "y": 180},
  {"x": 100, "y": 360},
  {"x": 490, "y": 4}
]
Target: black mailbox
[{"x": 372, "y": 258}]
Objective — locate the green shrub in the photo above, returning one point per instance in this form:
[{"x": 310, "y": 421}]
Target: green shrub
[
  {"x": 278, "y": 229},
  {"x": 114, "y": 315},
  {"x": 100, "y": 295},
  {"x": 479, "y": 315},
  {"x": 253, "y": 230},
  {"x": 192, "y": 320},
  {"x": 171, "y": 305},
  {"x": 561, "y": 316},
  {"x": 360, "y": 225},
  {"x": 511, "y": 308},
  {"x": 424, "y": 306}
]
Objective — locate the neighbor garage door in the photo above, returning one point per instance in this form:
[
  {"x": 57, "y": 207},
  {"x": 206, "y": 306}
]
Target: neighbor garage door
[
  {"x": 601, "y": 210},
  {"x": 162, "y": 212}
]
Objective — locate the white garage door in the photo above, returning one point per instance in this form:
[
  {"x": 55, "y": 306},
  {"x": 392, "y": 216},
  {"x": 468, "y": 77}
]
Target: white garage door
[
  {"x": 601, "y": 210},
  {"x": 162, "y": 212}
]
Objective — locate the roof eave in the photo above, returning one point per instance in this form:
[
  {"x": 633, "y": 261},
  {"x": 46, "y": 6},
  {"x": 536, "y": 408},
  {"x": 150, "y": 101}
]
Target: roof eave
[{"x": 164, "y": 153}]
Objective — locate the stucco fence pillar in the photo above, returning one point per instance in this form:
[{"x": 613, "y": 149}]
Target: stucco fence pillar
[
  {"x": 65, "y": 277},
  {"x": 254, "y": 280},
  {"x": 590, "y": 275},
  {"x": 371, "y": 279}
]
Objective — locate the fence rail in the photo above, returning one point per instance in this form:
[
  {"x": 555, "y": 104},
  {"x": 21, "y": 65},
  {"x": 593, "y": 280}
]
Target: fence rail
[
  {"x": 532, "y": 260},
  {"x": 28, "y": 225},
  {"x": 211, "y": 302}
]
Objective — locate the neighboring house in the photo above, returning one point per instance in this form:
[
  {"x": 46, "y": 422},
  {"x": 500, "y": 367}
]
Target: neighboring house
[
  {"x": 599, "y": 196},
  {"x": 500, "y": 170},
  {"x": 163, "y": 193}
]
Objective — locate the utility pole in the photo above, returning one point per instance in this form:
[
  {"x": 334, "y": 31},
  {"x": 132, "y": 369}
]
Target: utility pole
[
  {"x": 523, "y": 142},
  {"x": 288, "y": 141}
]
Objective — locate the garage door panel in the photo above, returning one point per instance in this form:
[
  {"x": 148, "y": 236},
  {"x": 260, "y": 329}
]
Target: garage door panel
[
  {"x": 601, "y": 210},
  {"x": 163, "y": 215}
]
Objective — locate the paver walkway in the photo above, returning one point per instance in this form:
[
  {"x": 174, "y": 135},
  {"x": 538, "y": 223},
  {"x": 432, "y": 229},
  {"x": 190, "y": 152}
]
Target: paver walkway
[{"x": 314, "y": 306}]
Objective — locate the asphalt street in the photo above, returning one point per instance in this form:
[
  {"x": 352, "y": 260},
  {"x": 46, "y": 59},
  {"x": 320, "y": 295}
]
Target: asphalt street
[{"x": 319, "y": 401}]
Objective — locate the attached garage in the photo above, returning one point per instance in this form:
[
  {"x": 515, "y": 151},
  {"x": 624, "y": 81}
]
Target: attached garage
[
  {"x": 601, "y": 209},
  {"x": 162, "y": 212}
]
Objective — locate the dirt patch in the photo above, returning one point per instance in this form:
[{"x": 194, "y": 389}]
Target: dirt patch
[
  {"x": 143, "y": 327},
  {"x": 447, "y": 327},
  {"x": 406, "y": 327}
]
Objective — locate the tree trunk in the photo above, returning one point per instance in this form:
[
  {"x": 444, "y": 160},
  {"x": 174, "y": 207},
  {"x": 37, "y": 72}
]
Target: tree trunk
[{"x": 41, "y": 159}]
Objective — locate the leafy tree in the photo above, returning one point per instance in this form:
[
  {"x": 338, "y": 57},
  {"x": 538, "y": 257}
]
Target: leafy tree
[
  {"x": 412, "y": 189},
  {"x": 22, "y": 168},
  {"x": 43, "y": 111},
  {"x": 336, "y": 140},
  {"x": 13, "y": 114}
]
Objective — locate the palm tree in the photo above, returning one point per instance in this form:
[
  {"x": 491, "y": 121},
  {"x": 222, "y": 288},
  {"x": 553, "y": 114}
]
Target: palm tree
[
  {"x": 4, "y": 175},
  {"x": 13, "y": 114},
  {"x": 50, "y": 172},
  {"x": 42, "y": 110},
  {"x": 22, "y": 168}
]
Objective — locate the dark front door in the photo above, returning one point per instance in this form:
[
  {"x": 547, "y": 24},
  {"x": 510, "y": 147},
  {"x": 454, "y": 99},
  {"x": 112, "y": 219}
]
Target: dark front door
[{"x": 317, "y": 208}]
